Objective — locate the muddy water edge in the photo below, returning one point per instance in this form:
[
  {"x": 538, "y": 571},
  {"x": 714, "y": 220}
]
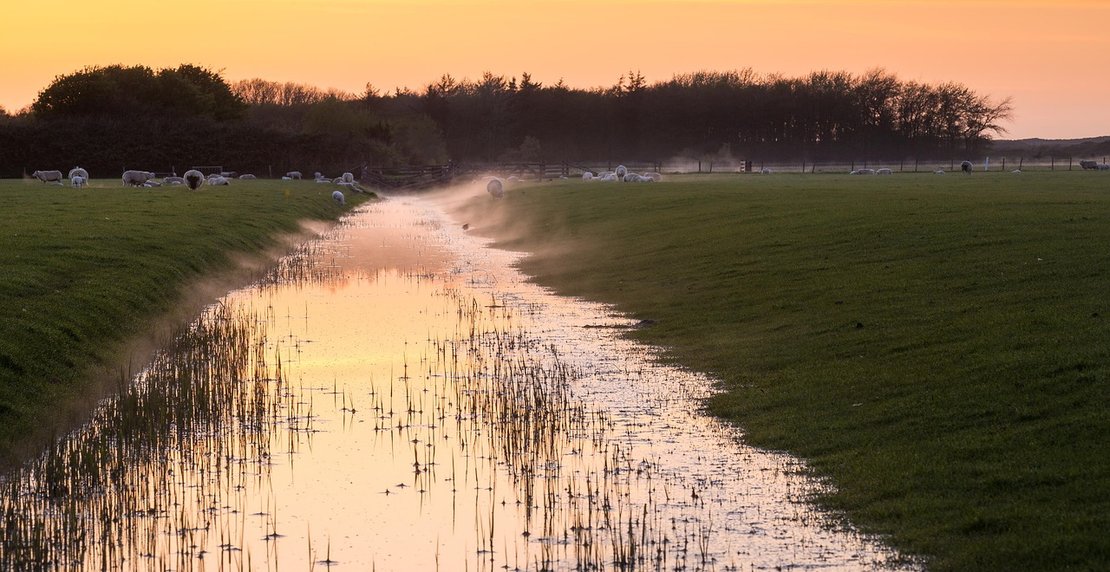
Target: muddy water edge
[{"x": 395, "y": 396}]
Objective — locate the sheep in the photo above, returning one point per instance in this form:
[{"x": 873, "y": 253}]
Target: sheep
[
  {"x": 655, "y": 177},
  {"x": 287, "y": 178},
  {"x": 862, "y": 172},
  {"x": 768, "y": 171},
  {"x": 48, "y": 176},
  {"x": 339, "y": 197},
  {"x": 966, "y": 167},
  {"x": 634, "y": 178},
  {"x": 220, "y": 181},
  {"x": 884, "y": 172},
  {"x": 495, "y": 188},
  {"x": 78, "y": 172},
  {"x": 151, "y": 184},
  {"x": 136, "y": 178},
  {"x": 621, "y": 171},
  {"x": 247, "y": 177},
  {"x": 318, "y": 175},
  {"x": 347, "y": 177},
  {"x": 324, "y": 180},
  {"x": 1016, "y": 172},
  {"x": 193, "y": 179},
  {"x": 938, "y": 172},
  {"x": 293, "y": 175},
  {"x": 608, "y": 177},
  {"x": 1103, "y": 167},
  {"x": 174, "y": 181},
  {"x": 78, "y": 181}
]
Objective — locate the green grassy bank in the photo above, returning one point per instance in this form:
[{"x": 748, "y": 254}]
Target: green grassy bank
[
  {"x": 938, "y": 346},
  {"x": 82, "y": 271}
]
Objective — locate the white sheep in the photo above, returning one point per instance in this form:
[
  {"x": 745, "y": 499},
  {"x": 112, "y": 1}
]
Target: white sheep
[
  {"x": 287, "y": 178},
  {"x": 151, "y": 184},
  {"x": 655, "y": 177},
  {"x": 884, "y": 172},
  {"x": 174, "y": 181},
  {"x": 293, "y": 175},
  {"x": 1016, "y": 171},
  {"x": 608, "y": 177},
  {"x": 78, "y": 172},
  {"x": 324, "y": 180},
  {"x": 621, "y": 171},
  {"x": 339, "y": 197},
  {"x": 347, "y": 177},
  {"x": 219, "y": 181},
  {"x": 48, "y": 176},
  {"x": 193, "y": 179},
  {"x": 495, "y": 188},
  {"x": 587, "y": 176},
  {"x": 966, "y": 167},
  {"x": 938, "y": 172},
  {"x": 768, "y": 171},
  {"x": 247, "y": 177},
  {"x": 78, "y": 181},
  {"x": 318, "y": 175},
  {"x": 634, "y": 178},
  {"x": 136, "y": 178}
]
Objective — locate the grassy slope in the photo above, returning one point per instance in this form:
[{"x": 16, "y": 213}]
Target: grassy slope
[
  {"x": 83, "y": 270},
  {"x": 938, "y": 346}
]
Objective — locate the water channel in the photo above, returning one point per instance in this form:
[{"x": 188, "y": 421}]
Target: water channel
[{"x": 396, "y": 396}]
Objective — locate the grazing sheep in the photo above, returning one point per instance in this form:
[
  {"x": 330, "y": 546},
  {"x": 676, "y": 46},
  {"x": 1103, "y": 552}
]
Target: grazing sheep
[
  {"x": 193, "y": 179},
  {"x": 884, "y": 172},
  {"x": 48, "y": 176},
  {"x": 78, "y": 181},
  {"x": 78, "y": 172},
  {"x": 339, "y": 197},
  {"x": 136, "y": 178},
  {"x": 495, "y": 188},
  {"x": 293, "y": 175},
  {"x": 966, "y": 167},
  {"x": 173, "y": 181},
  {"x": 247, "y": 177}
]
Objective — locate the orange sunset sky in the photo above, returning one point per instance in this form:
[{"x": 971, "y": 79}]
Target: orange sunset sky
[{"x": 1049, "y": 56}]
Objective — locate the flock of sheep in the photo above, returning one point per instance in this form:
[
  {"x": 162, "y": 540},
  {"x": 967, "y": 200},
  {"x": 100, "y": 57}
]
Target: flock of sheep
[
  {"x": 193, "y": 179},
  {"x": 623, "y": 175}
]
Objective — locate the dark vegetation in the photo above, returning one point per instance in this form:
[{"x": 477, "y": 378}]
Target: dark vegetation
[
  {"x": 111, "y": 118},
  {"x": 937, "y": 346}
]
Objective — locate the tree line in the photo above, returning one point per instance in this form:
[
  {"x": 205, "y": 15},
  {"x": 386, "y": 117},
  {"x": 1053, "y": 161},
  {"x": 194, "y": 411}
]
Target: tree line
[{"x": 107, "y": 119}]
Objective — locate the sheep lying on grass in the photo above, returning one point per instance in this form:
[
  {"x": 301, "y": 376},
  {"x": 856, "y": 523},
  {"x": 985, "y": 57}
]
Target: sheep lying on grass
[
  {"x": 495, "y": 188},
  {"x": 151, "y": 184},
  {"x": 193, "y": 179},
  {"x": 48, "y": 176},
  {"x": 78, "y": 172},
  {"x": 174, "y": 181},
  {"x": 219, "y": 181},
  {"x": 884, "y": 172},
  {"x": 247, "y": 177},
  {"x": 78, "y": 181},
  {"x": 136, "y": 178}
]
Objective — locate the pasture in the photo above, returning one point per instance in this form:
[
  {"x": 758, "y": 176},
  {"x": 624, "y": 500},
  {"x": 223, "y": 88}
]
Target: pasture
[
  {"x": 85, "y": 270},
  {"x": 937, "y": 347}
]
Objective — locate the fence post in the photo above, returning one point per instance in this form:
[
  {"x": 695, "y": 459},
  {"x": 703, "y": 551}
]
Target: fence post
[
  {"x": 1021, "y": 161},
  {"x": 1070, "y": 159},
  {"x": 699, "y": 165},
  {"x": 915, "y": 160},
  {"x": 1003, "y": 164},
  {"x": 1053, "y": 165}
]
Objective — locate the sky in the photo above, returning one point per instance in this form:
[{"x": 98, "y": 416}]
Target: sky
[{"x": 1048, "y": 56}]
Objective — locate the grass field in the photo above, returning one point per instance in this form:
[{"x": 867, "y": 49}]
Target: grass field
[
  {"x": 85, "y": 270},
  {"x": 937, "y": 346}
]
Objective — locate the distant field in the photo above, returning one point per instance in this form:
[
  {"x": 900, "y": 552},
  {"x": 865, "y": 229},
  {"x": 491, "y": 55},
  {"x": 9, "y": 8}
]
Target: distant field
[
  {"x": 84, "y": 270},
  {"x": 938, "y": 346}
]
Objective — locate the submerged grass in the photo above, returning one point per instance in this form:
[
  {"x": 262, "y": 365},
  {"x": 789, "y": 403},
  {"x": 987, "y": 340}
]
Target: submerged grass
[
  {"x": 939, "y": 347},
  {"x": 86, "y": 269}
]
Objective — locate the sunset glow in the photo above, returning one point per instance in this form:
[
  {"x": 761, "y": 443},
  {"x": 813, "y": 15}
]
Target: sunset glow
[{"x": 1045, "y": 55}]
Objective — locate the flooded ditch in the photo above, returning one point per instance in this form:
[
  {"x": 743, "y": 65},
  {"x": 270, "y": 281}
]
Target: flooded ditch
[{"x": 395, "y": 396}]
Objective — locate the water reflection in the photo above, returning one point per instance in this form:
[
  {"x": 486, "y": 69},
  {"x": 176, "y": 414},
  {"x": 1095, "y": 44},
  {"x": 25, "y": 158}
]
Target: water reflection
[{"x": 394, "y": 397}]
